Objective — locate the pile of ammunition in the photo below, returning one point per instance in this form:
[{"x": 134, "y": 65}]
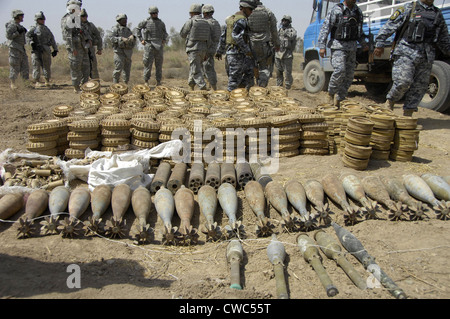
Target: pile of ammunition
[
  {"x": 309, "y": 249},
  {"x": 390, "y": 136},
  {"x": 45, "y": 174},
  {"x": 142, "y": 118}
]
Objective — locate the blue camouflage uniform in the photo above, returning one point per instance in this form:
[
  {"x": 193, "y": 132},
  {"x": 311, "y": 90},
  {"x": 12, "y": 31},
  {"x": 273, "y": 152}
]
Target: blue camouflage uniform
[
  {"x": 413, "y": 59},
  {"x": 239, "y": 63},
  {"x": 343, "y": 51}
]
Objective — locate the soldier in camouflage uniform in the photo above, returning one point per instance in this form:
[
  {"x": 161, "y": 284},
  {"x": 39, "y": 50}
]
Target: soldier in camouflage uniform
[
  {"x": 344, "y": 22},
  {"x": 153, "y": 36},
  {"x": 285, "y": 57},
  {"x": 96, "y": 48},
  {"x": 425, "y": 29},
  {"x": 264, "y": 40},
  {"x": 209, "y": 65},
  {"x": 78, "y": 43},
  {"x": 123, "y": 42},
  {"x": 42, "y": 42},
  {"x": 235, "y": 43},
  {"x": 198, "y": 34},
  {"x": 18, "y": 59}
]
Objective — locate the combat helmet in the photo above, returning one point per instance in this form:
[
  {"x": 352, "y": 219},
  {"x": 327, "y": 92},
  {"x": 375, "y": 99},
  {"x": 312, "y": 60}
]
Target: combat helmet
[
  {"x": 153, "y": 10},
  {"x": 208, "y": 8},
  {"x": 196, "y": 8},
  {"x": 39, "y": 16},
  {"x": 287, "y": 17},
  {"x": 16, "y": 13},
  {"x": 247, "y": 4},
  {"x": 121, "y": 16},
  {"x": 74, "y": 2}
]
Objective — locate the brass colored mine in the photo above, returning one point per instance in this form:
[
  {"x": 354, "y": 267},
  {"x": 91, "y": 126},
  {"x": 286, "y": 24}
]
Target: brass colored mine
[
  {"x": 213, "y": 177},
  {"x": 196, "y": 177},
  {"x": 228, "y": 174},
  {"x": 161, "y": 177},
  {"x": 177, "y": 178}
]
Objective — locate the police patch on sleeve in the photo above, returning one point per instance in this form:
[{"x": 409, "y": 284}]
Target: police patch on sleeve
[{"x": 397, "y": 13}]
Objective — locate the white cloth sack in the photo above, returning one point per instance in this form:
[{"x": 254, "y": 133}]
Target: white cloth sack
[{"x": 130, "y": 168}]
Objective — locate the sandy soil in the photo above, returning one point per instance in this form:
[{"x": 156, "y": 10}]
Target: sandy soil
[{"x": 413, "y": 253}]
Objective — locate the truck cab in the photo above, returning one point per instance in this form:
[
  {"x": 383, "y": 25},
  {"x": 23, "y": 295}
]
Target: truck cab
[{"x": 373, "y": 72}]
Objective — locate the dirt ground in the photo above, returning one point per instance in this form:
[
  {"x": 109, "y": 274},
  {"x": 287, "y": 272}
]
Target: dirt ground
[{"x": 414, "y": 254}]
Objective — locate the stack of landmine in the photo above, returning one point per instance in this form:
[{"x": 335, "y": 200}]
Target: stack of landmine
[
  {"x": 406, "y": 139},
  {"x": 154, "y": 114},
  {"x": 357, "y": 149},
  {"x": 48, "y": 138},
  {"x": 382, "y": 136}
]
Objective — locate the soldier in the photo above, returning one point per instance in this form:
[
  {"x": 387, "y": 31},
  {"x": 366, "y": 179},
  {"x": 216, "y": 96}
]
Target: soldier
[
  {"x": 234, "y": 41},
  {"x": 208, "y": 65},
  {"x": 78, "y": 43},
  {"x": 285, "y": 57},
  {"x": 198, "y": 34},
  {"x": 153, "y": 36},
  {"x": 344, "y": 22},
  {"x": 420, "y": 28},
  {"x": 123, "y": 42},
  {"x": 42, "y": 42},
  {"x": 96, "y": 48},
  {"x": 18, "y": 59},
  {"x": 263, "y": 33}
]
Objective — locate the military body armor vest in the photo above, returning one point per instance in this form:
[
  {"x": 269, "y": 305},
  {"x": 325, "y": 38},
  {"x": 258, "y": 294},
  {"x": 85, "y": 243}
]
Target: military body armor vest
[
  {"x": 348, "y": 27},
  {"x": 423, "y": 27},
  {"x": 230, "y": 24},
  {"x": 200, "y": 31},
  {"x": 153, "y": 30},
  {"x": 258, "y": 21}
]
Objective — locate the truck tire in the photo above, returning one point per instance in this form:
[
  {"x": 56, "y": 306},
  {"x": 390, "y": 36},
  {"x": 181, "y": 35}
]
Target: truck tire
[
  {"x": 314, "y": 78},
  {"x": 437, "y": 97}
]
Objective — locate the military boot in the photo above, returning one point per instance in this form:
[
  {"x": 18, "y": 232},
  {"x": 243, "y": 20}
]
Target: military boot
[
  {"x": 389, "y": 105},
  {"x": 13, "y": 86},
  {"x": 409, "y": 112},
  {"x": 192, "y": 87},
  {"x": 214, "y": 87}
]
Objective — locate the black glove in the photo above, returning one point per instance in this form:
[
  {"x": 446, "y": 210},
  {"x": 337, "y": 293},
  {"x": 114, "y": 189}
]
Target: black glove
[{"x": 54, "y": 53}]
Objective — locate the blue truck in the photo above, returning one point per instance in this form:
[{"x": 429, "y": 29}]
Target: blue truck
[{"x": 371, "y": 71}]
